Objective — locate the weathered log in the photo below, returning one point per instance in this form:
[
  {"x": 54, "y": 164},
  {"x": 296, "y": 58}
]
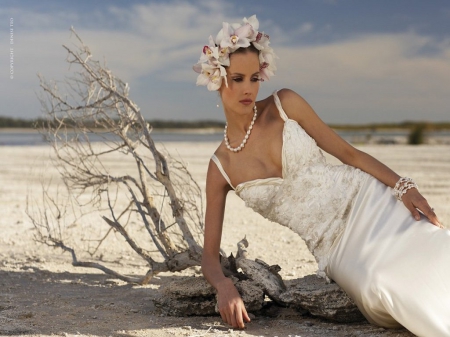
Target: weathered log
[
  {"x": 326, "y": 300},
  {"x": 265, "y": 276},
  {"x": 252, "y": 295},
  {"x": 194, "y": 296},
  {"x": 191, "y": 296}
]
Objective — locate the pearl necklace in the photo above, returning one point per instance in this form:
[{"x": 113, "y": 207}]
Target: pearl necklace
[{"x": 241, "y": 146}]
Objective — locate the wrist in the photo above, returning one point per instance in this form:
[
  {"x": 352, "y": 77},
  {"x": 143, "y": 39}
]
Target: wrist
[{"x": 402, "y": 186}]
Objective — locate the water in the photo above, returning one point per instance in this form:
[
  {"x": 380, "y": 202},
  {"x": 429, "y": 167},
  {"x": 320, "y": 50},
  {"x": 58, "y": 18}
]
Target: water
[
  {"x": 33, "y": 138},
  {"x": 21, "y": 138}
]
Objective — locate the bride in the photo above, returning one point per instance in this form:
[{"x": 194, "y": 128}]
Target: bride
[{"x": 370, "y": 230}]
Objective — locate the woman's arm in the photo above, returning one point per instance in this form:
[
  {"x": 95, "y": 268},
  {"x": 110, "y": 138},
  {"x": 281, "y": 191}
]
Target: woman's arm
[
  {"x": 328, "y": 140},
  {"x": 230, "y": 304}
]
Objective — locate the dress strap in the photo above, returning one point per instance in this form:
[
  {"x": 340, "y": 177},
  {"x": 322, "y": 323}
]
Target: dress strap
[
  {"x": 219, "y": 166},
  {"x": 280, "y": 108}
]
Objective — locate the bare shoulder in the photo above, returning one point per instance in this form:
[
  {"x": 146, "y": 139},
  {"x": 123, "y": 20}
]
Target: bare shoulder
[
  {"x": 267, "y": 109},
  {"x": 299, "y": 110},
  {"x": 294, "y": 105},
  {"x": 265, "y": 103},
  {"x": 215, "y": 181},
  {"x": 222, "y": 155}
]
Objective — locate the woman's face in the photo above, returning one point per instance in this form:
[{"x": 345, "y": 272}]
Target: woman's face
[{"x": 243, "y": 83}]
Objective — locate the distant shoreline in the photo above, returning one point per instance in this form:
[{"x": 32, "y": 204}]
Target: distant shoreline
[
  {"x": 388, "y": 136},
  {"x": 8, "y": 124},
  {"x": 162, "y": 130},
  {"x": 369, "y": 128}
]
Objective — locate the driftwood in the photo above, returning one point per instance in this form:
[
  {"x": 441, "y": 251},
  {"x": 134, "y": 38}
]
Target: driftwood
[
  {"x": 193, "y": 296},
  {"x": 92, "y": 126},
  {"x": 308, "y": 295},
  {"x": 265, "y": 276},
  {"x": 322, "y": 299}
]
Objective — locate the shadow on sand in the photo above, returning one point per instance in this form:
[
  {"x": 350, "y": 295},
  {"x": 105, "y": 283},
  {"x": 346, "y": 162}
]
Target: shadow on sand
[{"x": 34, "y": 301}]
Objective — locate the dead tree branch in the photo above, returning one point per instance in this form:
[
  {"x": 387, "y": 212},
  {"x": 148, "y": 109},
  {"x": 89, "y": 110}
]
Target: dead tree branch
[{"x": 93, "y": 125}]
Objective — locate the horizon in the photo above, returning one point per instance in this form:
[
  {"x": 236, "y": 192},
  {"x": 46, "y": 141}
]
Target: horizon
[{"x": 404, "y": 123}]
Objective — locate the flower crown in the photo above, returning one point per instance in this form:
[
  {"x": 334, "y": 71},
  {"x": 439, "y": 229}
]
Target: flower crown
[{"x": 216, "y": 56}]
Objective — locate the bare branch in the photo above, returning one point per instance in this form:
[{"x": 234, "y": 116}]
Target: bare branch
[{"x": 94, "y": 128}]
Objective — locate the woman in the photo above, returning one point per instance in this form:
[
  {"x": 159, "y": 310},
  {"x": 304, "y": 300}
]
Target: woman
[{"x": 392, "y": 265}]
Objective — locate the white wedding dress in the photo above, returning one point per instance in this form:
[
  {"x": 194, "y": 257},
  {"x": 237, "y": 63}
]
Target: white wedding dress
[{"x": 396, "y": 269}]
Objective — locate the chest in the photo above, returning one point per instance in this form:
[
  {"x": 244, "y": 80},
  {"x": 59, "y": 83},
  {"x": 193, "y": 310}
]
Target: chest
[{"x": 261, "y": 158}]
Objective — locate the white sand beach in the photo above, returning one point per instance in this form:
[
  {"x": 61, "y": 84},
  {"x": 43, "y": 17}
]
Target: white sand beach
[{"x": 41, "y": 294}]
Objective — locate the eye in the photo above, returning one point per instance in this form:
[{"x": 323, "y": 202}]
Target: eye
[
  {"x": 237, "y": 79},
  {"x": 256, "y": 79}
]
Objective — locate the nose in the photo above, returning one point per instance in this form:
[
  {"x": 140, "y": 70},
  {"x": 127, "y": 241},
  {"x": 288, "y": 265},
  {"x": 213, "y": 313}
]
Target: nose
[{"x": 248, "y": 87}]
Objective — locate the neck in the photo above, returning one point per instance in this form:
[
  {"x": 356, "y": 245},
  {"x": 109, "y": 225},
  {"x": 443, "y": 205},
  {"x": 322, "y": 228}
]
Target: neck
[
  {"x": 245, "y": 139},
  {"x": 238, "y": 123}
]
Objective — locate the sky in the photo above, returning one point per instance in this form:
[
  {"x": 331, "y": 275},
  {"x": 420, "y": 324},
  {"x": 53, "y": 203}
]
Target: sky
[{"x": 354, "y": 61}]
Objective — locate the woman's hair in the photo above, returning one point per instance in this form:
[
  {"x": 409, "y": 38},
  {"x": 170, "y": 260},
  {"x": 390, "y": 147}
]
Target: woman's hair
[
  {"x": 234, "y": 38},
  {"x": 249, "y": 49}
]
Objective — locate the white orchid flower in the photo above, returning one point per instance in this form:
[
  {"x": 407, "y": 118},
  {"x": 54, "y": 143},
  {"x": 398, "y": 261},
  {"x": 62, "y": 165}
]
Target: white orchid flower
[
  {"x": 265, "y": 72},
  {"x": 211, "y": 75},
  {"x": 216, "y": 79},
  {"x": 267, "y": 56},
  {"x": 210, "y": 51},
  {"x": 224, "y": 56},
  {"x": 234, "y": 37},
  {"x": 252, "y": 21},
  {"x": 216, "y": 55},
  {"x": 261, "y": 41}
]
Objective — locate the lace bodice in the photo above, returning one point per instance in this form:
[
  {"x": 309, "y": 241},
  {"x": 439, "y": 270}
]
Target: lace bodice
[{"x": 312, "y": 198}]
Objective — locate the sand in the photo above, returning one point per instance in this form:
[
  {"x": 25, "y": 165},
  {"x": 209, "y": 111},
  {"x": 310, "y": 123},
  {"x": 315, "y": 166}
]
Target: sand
[{"x": 41, "y": 294}]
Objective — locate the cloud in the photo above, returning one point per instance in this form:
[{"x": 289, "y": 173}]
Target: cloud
[
  {"x": 27, "y": 19},
  {"x": 153, "y": 37},
  {"x": 142, "y": 41},
  {"x": 370, "y": 77},
  {"x": 304, "y": 29},
  {"x": 372, "y": 74}
]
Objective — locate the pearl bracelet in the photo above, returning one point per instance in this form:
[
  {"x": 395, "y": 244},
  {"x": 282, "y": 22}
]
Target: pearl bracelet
[{"x": 402, "y": 186}]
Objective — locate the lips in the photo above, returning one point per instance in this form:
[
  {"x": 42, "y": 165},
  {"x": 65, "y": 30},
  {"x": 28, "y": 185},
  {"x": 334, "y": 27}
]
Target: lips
[{"x": 246, "y": 101}]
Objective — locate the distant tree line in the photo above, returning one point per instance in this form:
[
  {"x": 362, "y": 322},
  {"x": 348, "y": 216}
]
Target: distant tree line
[
  {"x": 9, "y": 122},
  {"x": 162, "y": 124}
]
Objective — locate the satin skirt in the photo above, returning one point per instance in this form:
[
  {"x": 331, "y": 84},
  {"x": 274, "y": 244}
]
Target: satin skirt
[{"x": 396, "y": 269}]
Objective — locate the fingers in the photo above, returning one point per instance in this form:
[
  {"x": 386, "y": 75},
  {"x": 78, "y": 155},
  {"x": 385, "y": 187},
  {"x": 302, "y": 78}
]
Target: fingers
[
  {"x": 245, "y": 315},
  {"x": 415, "y": 213},
  {"x": 224, "y": 316},
  {"x": 241, "y": 317},
  {"x": 236, "y": 320},
  {"x": 235, "y": 315},
  {"x": 231, "y": 307},
  {"x": 418, "y": 206},
  {"x": 432, "y": 217}
]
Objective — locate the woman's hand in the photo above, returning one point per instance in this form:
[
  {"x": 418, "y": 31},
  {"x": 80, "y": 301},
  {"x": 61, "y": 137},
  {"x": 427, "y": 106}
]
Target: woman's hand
[
  {"x": 415, "y": 202},
  {"x": 230, "y": 305}
]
